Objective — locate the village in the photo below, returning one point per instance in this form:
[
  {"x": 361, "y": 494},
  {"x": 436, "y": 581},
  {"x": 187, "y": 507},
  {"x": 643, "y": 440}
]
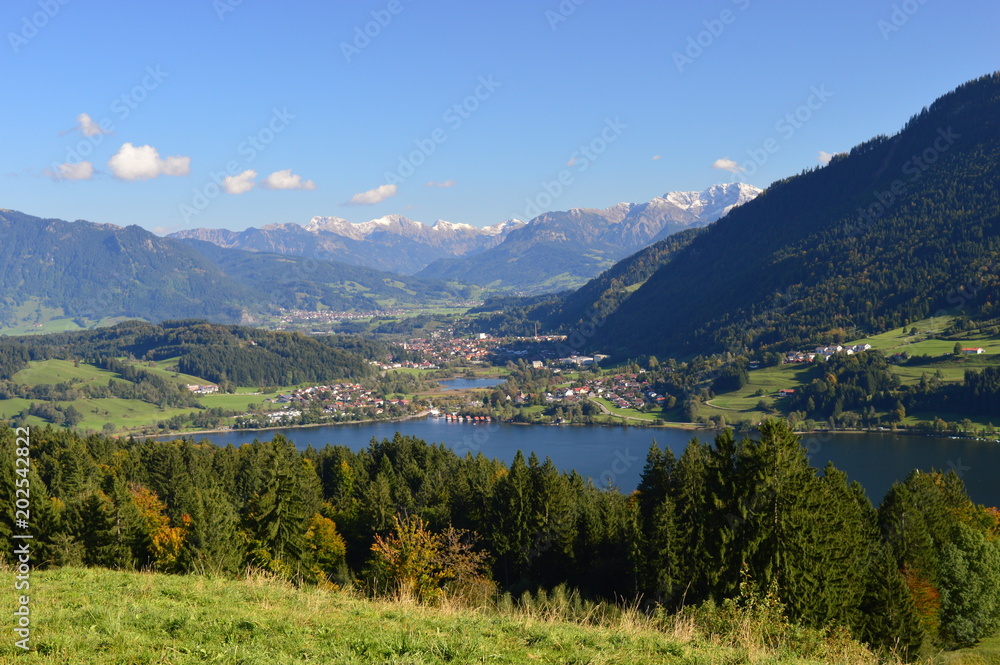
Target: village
[
  {"x": 824, "y": 352},
  {"x": 443, "y": 348},
  {"x": 340, "y": 402},
  {"x": 624, "y": 391}
]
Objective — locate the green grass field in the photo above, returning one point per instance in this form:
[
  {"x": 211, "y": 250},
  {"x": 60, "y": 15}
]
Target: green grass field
[
  {"x": 168, "y": 370},
  {"x": 57, "y": 371},
  {"x": 632, "y": 414},
  {"x": 124, "y": 414},
  {"x": 94, "y": 616},
  {"x": 952, "y": 367},
  {"x": 742, "y": 404},
  {"x": 986, "y": 652},
  {"x": 239, "y": 401},
  {"x": 34, "y": 318}
]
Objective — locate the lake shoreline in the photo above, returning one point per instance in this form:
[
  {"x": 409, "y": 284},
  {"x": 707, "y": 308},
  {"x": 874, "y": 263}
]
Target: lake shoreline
[
  {"x": 230, "y": 430},
  {"x": 690, "y": 427}
]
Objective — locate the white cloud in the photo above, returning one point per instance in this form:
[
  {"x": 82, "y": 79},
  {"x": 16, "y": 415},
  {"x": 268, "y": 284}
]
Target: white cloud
[
  {"x": 286, "y": 180},
  {"x": 655, "y": 157},
  {"x": 88, "y": 126},
  {"x": 446, "y": 183},
  {"x": 239, "y": 184},
  {"x": 143, "y": 163},
  {"x": 81, "y": 171},
  {"x": 726, "y": 164},
  {"x": 825, "y": 157},
  {"x": 372, "y": 196}
]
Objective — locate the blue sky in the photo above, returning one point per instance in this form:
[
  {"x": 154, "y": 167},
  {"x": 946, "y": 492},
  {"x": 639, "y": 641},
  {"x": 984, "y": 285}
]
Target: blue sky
[{"x": 221, "y": 113}]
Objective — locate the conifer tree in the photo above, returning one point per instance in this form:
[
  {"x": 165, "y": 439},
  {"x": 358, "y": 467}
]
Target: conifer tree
[
  {"x": 511, "y": 519},
  {"x": 889, "y": 620},
  {"x": 656, "y": 538},
  {"x": 692, "y": 509}
]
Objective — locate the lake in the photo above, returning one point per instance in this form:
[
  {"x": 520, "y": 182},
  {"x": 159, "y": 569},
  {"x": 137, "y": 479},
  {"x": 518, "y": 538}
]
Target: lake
[
  {"x": 463, "y": 384},
  {"x": 615, "y": 455}
]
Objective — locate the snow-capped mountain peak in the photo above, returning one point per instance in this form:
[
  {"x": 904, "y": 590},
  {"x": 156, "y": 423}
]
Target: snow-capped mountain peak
[
  {"x": 502, "y": 227},
  {"x": 713, "y": 202},
  {"x": 444, "y": 226}
]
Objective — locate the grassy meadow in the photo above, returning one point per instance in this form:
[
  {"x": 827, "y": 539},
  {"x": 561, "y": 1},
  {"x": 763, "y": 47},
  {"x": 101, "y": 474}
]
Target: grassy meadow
[{"x": 96, "y": 616}]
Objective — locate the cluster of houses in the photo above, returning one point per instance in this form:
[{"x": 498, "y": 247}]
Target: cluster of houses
[
  {"x": 626, "y": 391},
  {"x": 334, "y": 400},
  {"x": 581, "y": 361},
  {"x": 203, "y": 389},
  {"x": 300, "y": 316},
  {"x": 825, "y": 352},
  {"x": 408, "y": 364},
  {"x": 440, "y": 349}
]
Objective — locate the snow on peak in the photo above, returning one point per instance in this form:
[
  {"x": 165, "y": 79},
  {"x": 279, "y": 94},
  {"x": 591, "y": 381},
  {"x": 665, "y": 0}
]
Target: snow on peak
[
  {"x": 405, "y": 226},
  {"x": 442, "y": 225},
  {"x": 393, "y": 220},
  {"x": 714, "y": 201},
  {"x": 497, "y": 229}
]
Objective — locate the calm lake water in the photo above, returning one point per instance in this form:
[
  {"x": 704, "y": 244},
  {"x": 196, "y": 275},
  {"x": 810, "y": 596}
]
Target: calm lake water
[
  {"x": 461, "y": 384},
  {"x": 616, "y": 454}
]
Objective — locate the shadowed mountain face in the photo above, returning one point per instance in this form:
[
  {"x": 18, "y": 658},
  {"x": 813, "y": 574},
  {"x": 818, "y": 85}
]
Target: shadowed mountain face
[{"x": 559, "y": 250}]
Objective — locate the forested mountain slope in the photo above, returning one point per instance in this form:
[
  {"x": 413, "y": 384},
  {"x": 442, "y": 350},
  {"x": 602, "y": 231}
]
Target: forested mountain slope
[{"x": 894, "y": 231}]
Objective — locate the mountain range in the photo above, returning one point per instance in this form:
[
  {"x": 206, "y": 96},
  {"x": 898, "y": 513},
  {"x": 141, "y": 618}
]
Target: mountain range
[
  {"x": 393, "y": 243},
  {"x": 88, "y": 272},
  {"x": 553, "y": 251}
]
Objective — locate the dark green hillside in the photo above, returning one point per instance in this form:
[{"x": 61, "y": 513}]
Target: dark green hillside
[
  {"x": 240, "y": 355},
  {"x": 605, "y": 293},
  {"x": 564, "y": 312},
  {"x": 96, "y": 270},
  {"x": 296, "y": 282},
  {"x": 900, "y": 228},
  {"x": 535, "y": 261}
]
